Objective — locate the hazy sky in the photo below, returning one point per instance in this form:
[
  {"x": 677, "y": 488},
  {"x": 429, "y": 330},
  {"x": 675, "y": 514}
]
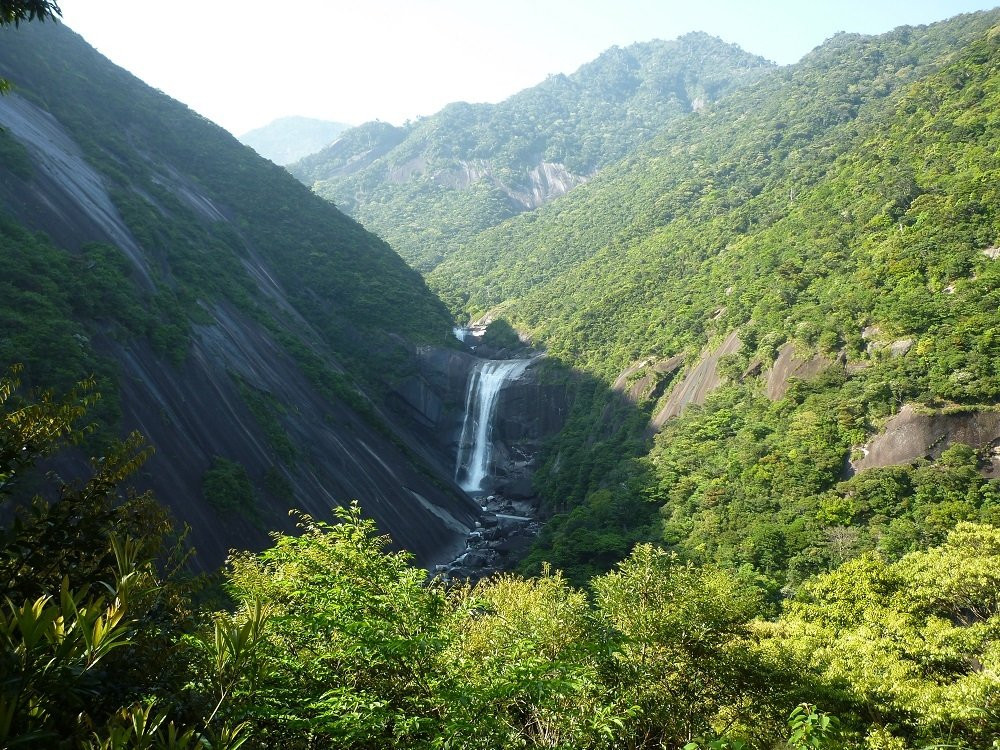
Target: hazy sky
[{"x": 242, "y": 63}]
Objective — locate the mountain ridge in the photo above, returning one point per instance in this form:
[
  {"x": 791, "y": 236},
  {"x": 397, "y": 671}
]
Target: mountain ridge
[
  {"x": 288, "y": 139},
  {"x": 445, "y": 177}
]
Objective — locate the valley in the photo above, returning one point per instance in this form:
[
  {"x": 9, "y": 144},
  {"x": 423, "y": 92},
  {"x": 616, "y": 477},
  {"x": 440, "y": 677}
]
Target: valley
[{"x": 655, "y": 406}]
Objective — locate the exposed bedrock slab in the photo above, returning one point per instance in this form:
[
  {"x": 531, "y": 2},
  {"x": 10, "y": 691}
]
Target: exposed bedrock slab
[
  {"x": 913, "y": 434},
  {"x": 698, "y": 382},
  {"x": 528, "y": 411},
  {"x": 789, "y": 365},
  {"x": 647, "y": 379},
  {"x": 432, "y": 401},
  {"x": 66, "y": 197},
  {"x": 195, "y": 411}
]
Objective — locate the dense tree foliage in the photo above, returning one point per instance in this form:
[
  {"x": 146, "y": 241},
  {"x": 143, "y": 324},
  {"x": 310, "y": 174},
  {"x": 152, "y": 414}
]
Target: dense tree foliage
[
  {"x": 337, "y": 275},
  {"x": 331, "y": 640},
  {"x": 139, "y": 243},
  {"x": 726, "y": 584},
  {"x": 842, "y": 205}
]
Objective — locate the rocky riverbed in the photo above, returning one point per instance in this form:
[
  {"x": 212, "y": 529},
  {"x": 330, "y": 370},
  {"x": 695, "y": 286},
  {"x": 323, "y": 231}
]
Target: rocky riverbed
[{"x": 499, "y": 540}]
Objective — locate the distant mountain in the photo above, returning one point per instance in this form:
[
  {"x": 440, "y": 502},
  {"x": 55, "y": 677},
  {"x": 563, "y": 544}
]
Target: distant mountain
[
  {"x": 245, "y": 326},
  {"x": 431, "y": 185},
  {"x": 288, "y": 139}
]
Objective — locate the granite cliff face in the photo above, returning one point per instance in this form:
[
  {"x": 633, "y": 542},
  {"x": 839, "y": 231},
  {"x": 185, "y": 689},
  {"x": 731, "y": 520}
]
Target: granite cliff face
[
  {"x": 535, "y": 186},
  {"x": 921, "y": 433},
  {"x": 199, "y": 410},
  {"x": 529, "y": 412},
  {"x": 270, "y": 332},
  {"x": 698, "y": 382}
]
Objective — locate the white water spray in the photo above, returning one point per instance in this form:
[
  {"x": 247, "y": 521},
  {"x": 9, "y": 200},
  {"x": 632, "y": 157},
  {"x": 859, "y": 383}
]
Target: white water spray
[{"x": 475, "y": 447}]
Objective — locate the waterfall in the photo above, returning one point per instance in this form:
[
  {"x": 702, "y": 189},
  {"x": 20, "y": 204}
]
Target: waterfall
[{"x": 475, "y": 447}]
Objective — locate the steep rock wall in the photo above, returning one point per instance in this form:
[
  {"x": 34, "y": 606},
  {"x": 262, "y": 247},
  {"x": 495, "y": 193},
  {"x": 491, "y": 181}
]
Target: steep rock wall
[
  {"x": 311, "y": 450},
  {"x": 65, "y": 197},
  {"x": 647, "y": 379},
  {"x": 195, "y": 411},
  {"x": 529, "y": 411},
  {"x": 431, "y": 402},
  {"x": 789, "y": 365},
  {"x": 536, "y": 185}
]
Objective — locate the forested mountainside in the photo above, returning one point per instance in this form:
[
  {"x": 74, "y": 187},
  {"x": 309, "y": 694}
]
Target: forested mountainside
[
  {"x": 837, "y": 222},
  {"x": 288, "y": 139},
  {"x": 245, "y": 326},
  {"x": 430, "y": 186}
]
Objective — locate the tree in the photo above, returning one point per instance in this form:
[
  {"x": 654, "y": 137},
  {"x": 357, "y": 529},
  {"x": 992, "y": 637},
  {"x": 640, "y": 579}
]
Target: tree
[
  {"x": 93, "y": 646},
  {"x": 15, "y": 11},
  {"x": 350, "y": 650},
  {"x": 911, "y": 643},
  {"x": 523, "y": 655},
  {"x": 679, "y": 648}
]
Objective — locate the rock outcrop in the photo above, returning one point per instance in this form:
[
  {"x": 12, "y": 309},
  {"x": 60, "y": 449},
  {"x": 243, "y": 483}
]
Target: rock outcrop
[
  {"x": 251, "y": 349},
  {"x": 789, "y": 365},
  {"x": 194, "y": 412},
  {"x": 913, "y": 434},
  {"x": 432, "y": 401},
  {"x": 698, "y": 382},
  {"x": 647, "y": 379},
  {"x": 66, "y": 196},
  {"x": 528, "y": 412}
]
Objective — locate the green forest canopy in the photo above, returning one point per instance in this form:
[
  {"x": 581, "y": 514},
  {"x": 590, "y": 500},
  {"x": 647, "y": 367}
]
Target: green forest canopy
[{"x": 329, "y": 640}]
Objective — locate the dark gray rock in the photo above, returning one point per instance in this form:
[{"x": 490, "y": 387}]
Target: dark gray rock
[
  {"x": 514, "y": 546},
  {"x": 518, "y": 488},
  {"x": 414, "y": 398},
  {"x": 529, "y": 411}
]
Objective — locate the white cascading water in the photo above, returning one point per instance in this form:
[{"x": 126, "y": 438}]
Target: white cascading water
[{"x": 475, "y": 447}]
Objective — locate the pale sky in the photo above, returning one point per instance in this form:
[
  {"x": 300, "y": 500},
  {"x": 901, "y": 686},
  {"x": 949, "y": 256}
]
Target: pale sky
[{"x": 244, "y": 63}]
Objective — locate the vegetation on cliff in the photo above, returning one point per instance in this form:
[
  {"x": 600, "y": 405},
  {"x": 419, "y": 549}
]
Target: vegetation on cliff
[
  {"x": 846, "y": 206},
  {"x": 717, "y": 579},
  {"x": 206, "y": 211},
  {"x": 242, "y": 321}
]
